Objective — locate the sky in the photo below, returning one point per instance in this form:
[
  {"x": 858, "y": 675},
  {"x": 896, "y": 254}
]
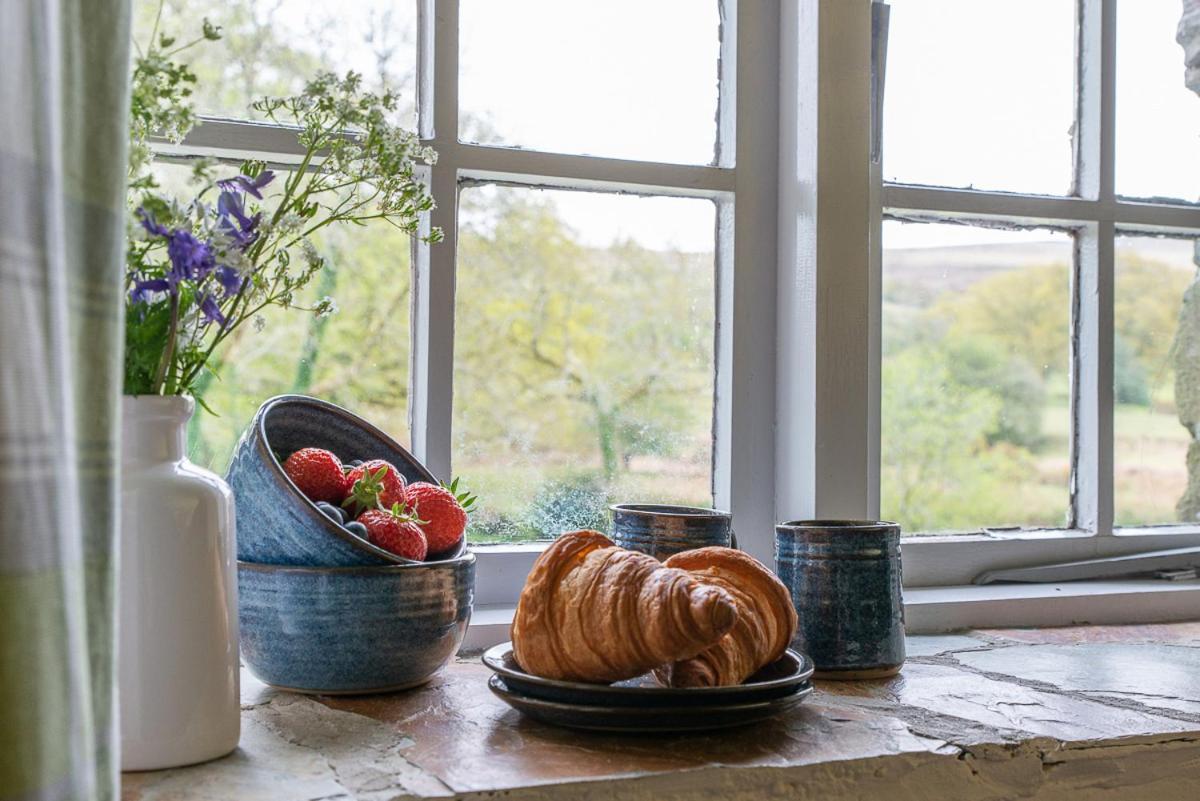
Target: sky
[
  {"x": 1004, "y": 121},
  {"x": 979, "y": 93}
]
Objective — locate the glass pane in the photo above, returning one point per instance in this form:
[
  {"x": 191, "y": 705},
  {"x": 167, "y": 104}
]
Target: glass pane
[
  {"x": 583, "y": 356},
  {"x": 632, "y": 79},
  {"x": 981, "y": 94},
  {"x": 273, "y": 47},
  {"x": 357, "y": 357},
  {"x": 976, "y": 398},
  {"x": 1158, "y": 117},
  {"x": 1156, "y": 386}
]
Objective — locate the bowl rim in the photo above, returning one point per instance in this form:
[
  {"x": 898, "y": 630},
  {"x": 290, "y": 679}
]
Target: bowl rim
[
  {"x": 467, "y": 557},
  {"x": 839, "y": 526},
  {"x": 669, "y": 510},
  {"x": 277, "y": 471}
]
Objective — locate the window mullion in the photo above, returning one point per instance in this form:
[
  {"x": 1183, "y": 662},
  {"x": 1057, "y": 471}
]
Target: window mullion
[
  {"x": 1092, "y": 315},
  {"x": 823, "y": 367},
  {"x": 432, "y": 374}
]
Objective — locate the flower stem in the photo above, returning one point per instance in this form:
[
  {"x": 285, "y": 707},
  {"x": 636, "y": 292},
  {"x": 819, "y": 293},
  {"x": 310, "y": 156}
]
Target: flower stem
[{"x": 160, "y": 375}]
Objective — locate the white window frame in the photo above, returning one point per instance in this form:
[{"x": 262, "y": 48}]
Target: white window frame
[{"x": 799, "y": 208}]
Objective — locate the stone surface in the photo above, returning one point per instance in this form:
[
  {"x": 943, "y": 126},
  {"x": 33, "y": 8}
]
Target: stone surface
[
  {"x": 1086, "y": 713},
  {"x": 1165, "y": 677}
]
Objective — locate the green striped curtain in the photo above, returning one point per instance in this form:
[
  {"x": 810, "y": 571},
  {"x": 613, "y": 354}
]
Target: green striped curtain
[{"x": 63, "y": 107}]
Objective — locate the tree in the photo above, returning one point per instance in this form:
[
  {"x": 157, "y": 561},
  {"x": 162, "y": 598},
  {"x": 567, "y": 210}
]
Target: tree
[
  {"x": 1027, "y": 311},
  {"x": 557, "y": 343},
  {"x": 939, "y": 472}
]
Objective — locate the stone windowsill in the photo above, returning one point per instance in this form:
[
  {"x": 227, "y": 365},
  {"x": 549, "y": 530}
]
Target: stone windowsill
[{"x": 1085, "y": 713}]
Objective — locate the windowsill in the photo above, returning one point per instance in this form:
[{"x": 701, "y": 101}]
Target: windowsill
[
  {"x": 929, "y": 561},
  {"x": 1038, "y": 714},
  {"x": 931, "y": 610}
]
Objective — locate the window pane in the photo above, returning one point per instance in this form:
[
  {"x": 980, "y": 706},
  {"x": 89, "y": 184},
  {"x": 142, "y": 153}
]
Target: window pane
[
  {"x": 631, "y": 79},
  {"x": 1150, "y": 440},
  {"x": 273, "y": 47},
  {"x": 976, "y": 400},
  {"x": 980, "y": 94},
  {"x": 583, "y": 356},
  {"x": 1158, "y": 117},
  {"x": 357, "y": 357}
]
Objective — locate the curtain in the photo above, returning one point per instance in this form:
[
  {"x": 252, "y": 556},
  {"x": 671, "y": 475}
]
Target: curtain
[{"x": 63, "y": 107}]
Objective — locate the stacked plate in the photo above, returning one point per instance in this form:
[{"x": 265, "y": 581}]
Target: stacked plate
[{"x": 642, "y": 705}]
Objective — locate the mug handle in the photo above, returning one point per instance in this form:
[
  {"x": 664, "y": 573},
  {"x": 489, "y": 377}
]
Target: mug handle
[{"x": 733, "y": 543}]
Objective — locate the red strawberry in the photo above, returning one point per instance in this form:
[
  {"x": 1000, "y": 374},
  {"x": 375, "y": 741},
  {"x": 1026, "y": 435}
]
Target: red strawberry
[
  {"x": 394, "y": 532},
  {"x": 442, "y": 514},
  {"x": 318, "y": 474},
  {"x": 372, "y": 485}
]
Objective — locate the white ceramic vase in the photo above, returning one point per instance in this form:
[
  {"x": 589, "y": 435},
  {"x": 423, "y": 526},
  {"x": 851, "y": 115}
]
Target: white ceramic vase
[{"x": 178, "y": 625}]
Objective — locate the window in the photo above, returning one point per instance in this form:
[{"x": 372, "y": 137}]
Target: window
[
  {"x": 583, "y": 356},
  {"x": 975, "y": 377},
  {"x": 658, "y": 283},
  {"x": 1077, "y": 288}
]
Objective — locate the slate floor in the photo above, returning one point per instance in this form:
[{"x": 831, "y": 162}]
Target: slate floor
[{"x": 1085, "y": 713}]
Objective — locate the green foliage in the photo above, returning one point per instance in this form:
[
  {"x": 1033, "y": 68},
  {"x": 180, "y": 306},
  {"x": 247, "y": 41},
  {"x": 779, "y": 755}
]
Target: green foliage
[
  {"x": 983, "y": 363},
  {"x": 573, "y": 502},
  {"x": 566, "y": 349},
  {"x": 1028, "y": 311},
  {"x": 357, "y": 167},
  {"x": 1146, "y": 310},
  {"x": 1130, "y": 383},
  {"x": 939, "y": 471}
]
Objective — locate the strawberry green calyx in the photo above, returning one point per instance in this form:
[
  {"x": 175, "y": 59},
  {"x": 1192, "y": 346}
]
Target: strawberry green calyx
[
  {"x": 404, "y": 514},
  {"x": 465, "y": 498},
  {"x": 365, "y": 493}
]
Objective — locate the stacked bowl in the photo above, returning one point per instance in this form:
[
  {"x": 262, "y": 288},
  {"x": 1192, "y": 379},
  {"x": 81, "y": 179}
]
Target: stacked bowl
[{"x": 322, "y": 610}]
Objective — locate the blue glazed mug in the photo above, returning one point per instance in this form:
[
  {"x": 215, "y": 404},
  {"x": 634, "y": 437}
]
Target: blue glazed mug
[
  {"x": 844, "y": 577},
  {"x": 662, "y": 530}
]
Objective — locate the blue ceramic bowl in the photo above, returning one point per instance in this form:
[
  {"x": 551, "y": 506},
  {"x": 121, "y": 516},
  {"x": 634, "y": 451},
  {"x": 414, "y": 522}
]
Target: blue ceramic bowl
[
  {"x": 346, "y": 630},
  {"x": 276, "y": 523}
]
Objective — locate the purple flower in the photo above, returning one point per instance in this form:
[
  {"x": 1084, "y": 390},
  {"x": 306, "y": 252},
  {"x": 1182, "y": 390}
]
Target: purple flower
[
  {"x": 228, "y": 278},
  {"x": 211, "y": 310},
  {"x": 142, "y": 289},
  {"x": 191, "y": 259},
  {"x": 251, "y": 186},
  {"x": 233, "y": 220},
  {"x": 150, "y": 225}
]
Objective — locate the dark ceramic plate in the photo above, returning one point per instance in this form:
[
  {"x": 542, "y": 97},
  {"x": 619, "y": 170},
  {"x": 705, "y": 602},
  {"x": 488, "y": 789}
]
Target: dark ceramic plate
[
  {"x": 647, "y": 719},
  {"x": 778, "y": 679}
]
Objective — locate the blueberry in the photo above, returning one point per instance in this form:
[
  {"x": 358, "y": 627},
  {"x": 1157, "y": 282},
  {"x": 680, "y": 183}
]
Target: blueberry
[
  {"x": 355, "y": 527},
  {"x": 332, "y": 512},
  {"x": 356, "y": 463}
]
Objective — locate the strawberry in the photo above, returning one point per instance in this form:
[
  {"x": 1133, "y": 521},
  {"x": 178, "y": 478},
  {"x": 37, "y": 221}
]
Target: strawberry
[
  {"x": 394, "y": 531},
  {"x": 442, "y": 512},
  {"x": 318, "y": 474},
  {"x": 374, "y": 485}
]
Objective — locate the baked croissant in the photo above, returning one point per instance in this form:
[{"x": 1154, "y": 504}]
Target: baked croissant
[
  {"x": 593, "y": 612},
  {"x": 766, "y": 620}
]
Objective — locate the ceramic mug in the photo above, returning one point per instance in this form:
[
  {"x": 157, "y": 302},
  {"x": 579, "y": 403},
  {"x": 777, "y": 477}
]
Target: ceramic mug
[
  {"x": 662, "y": 530},
  {"x": 844, "y": 577}
]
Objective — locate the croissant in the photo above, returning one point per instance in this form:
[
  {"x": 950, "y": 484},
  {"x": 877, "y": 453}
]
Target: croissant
[
  {"x": 593, "y": 612},
  {"x": 766, "y": 620}
]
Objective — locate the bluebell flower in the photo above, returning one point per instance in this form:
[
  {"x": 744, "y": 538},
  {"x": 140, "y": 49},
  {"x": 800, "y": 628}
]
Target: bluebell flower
[
  {"x": 233, "y": 221},
  {"x": 150, "y": 225},
  {"x": 251, "y": 186},
  {"x": 211, "y": 310},
  {"x": 191, "y": 259},
  {"x": 229, "y": 279},
  {"x": 142, "y": 290}
]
